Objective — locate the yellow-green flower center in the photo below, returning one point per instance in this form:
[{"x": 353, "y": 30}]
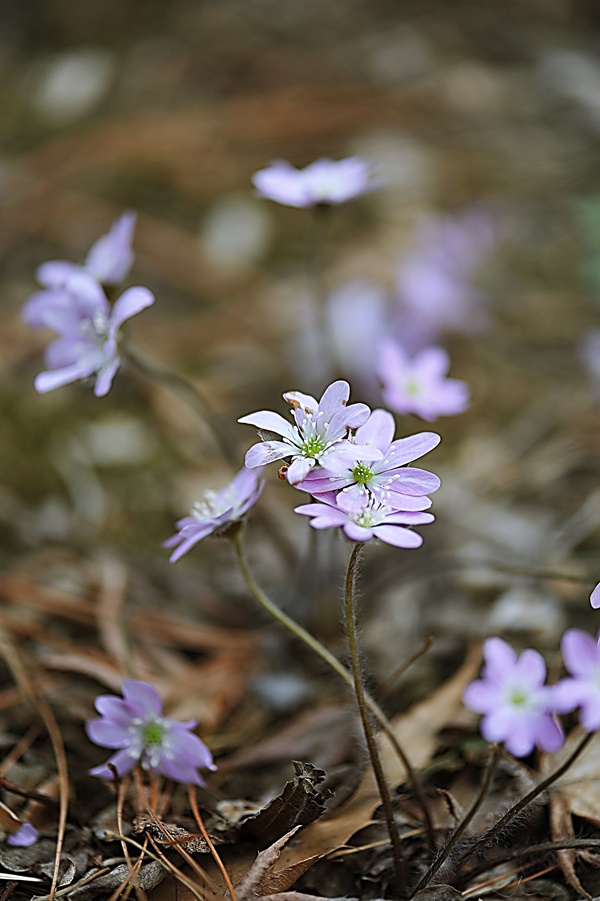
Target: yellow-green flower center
[
  {"x": 362, "y": 473},
  {"x": 313, "y": 446},
  {"x": 153, "y": 733}
]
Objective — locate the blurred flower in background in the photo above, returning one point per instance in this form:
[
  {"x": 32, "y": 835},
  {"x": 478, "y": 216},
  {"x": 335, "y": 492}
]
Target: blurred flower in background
[{"x": 328, "y": 182}]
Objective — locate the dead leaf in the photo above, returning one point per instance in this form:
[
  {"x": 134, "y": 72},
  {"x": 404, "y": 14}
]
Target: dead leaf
[{"x": 249, "y": 887}]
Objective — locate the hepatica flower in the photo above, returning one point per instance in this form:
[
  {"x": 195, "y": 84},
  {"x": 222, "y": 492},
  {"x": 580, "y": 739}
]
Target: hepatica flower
[
  {"x": 136, "y": 726},
  {"x": 387, "y": 481},
  {"x": 317, "y": 435},
  {"x": 581, "y": 655},
  {"x": 324, "y": 182},
  {"x": 88, "y": 331},
  {"x": 108, "y": 261},
  {"x": 216, "y": 512},
  {"x": 25, "y": 836},
  {"x": 419, "y": 385},
  {"x": 516, "y": 705},
  {"x": 373, "y": 520}
]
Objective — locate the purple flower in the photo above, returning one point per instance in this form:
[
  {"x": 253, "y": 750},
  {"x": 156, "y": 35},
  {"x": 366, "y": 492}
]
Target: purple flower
[
  {"x": 581, "y": 655},
  {"x": 516, "y": 705},
  {"x": 88, "y": 331},
  {"x": 372, "y": 521},
  {"x": 387, "y": 481},
  {"x": 419, "y": 385},
  {"x": 108, "y": 261},
  {"x": 216, "y": 512},
  {"x": 320, "y": 430},
  {"x": 595, "y": 597},
  {"x": 325, "y": 181},
  {"x": 136, "y": 726},
  {"x": 24, "y": 837}
]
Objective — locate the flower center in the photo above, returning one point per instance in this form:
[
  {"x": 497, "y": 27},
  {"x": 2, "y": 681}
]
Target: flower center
[
  {"x": 153, "y": 733},
  {"x": 362, "y": 473},
  {"x": 518, "y": 697},
  {"x": 312, "y": 447},
  {"x": 412, "y": 387}
]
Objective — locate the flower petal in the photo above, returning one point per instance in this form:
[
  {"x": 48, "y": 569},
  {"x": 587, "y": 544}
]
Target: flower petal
[{"x": 142, "y": 697}]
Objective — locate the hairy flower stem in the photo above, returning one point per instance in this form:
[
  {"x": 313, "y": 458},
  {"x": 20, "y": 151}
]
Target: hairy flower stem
[
  {"x": 516, "y": 809},
  {"x": 363, "y": 709},
  {"x": 460, "y": 829},
  {"x": 331, "y": 660}
]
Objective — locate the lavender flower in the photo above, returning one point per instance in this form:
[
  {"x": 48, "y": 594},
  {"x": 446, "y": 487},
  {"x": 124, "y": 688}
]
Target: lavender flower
[
  {"x": 319, "y": 432},
  {"x": 88, "y": 331},
  {"x": 374, "y": 520},
  {"x": 387, "y": 481},
  {"x": 435, "y": 282},
  {"x": 108, "y": 261},
  {"x": 216, "y": 512},
  {"x": 581, "y": 655},
  {"x": 595, "y": 597},
  {"x": 419, "y": 385},
  {"x": 24, "y": 837},
  {"x": 516, "y": 705},
  {"x": 325, "y": 181},
  {"x": 135, "y": 724}
]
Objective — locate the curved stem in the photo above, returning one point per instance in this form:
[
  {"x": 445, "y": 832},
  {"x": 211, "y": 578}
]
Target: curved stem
[
  {"x": 359, "y": 691},
  {"x": 210, "y": 417},
  {"x": 516, "y": 809},
  {"x": 331, "y": 660},
  {"x": 460, "y": 829}
]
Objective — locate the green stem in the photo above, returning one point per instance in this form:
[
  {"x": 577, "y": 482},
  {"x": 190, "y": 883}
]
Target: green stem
[
  {"x": 363, "y": 709},
  {"x": 331, "y": 660},
  {"x": 516, "y": 809},
  {"x": 210, "y": 417},
  {"x": 460, "y": 829}
]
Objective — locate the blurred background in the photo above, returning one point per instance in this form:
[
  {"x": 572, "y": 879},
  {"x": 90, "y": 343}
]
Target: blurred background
[{"x": 168, "y": 108}]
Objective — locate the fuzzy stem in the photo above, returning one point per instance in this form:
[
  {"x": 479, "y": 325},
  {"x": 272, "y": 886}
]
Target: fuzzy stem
[
  {"x": 363, "y": 709},
  {"x": 460, "y": 829},
  {"x": 516, "y": 809},
  {"x": 331, "y": 660},
  {"x": 210, "y": 417}
]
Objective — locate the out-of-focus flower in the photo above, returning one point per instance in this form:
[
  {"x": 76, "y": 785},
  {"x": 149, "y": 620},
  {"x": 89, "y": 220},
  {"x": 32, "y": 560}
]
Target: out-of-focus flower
[
  {"x": 374, "y": 520},
  {"x": 581, "y": 655},
  {"x": 318, "y": 436},
  {"x": 388, "y": 481},
  {"x": 108, "y": 261},
  {"x": 419, "y": 385},
  {"x": 516, "y": 705},
  {"x": 328, "y": 182},
  {"x": 216, "y": 512},
  {"x": 589, "y": 352},
  {"x": 136, "y": 726},
  {"x": 435, "y": 284},
  {"x": 23, "y": 837},
  {"x": 595, "y": 597},
  {"x": 88, "y": 331}
]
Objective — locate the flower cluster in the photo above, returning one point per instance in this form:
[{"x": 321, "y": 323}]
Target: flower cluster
[
  {"x": 73, "y": 304},
  {"x": 519, "y": 709},
  {"x": 345, "y": 456},
  {"x": 136, "y": 726}
]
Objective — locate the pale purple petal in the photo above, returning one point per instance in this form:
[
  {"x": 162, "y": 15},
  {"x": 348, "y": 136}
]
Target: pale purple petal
[
  {"x": 105, "y": 377},
  {"x": 334, "y": 396},
  {"x": 123, "y": 762},
  {"x": 580, "y": 652},
  {"x": 415, "y": 482},
  {"x": 113, "y": 708},
  {"x": 110, "y": 258},
  {"x": 356, "y": 532},
  {"x": 129, "y": 304},
  {"x": 299, "y": 469},
  {"x": 270, "y": 422},
  {"x": 56, "y": 273},
  {"x": 143, "y": 696},
  {"x": 267, "y": 452},
  {"x": 550, "y": 735},
  {"x": 299, "y": 401},
  {"x": 24, "y": 837},
  {"x": 282, "y": 183},
  {"x": 108, "y": 733},
  {"x": 405, "y": 450},
  {"x": 595, "y": 597},
  {"x": 378, "y": 430},
  {"x": 433, "y": 363},
  {"x": 48, "y": 381},
  {"x": 398, "y": 536}
]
